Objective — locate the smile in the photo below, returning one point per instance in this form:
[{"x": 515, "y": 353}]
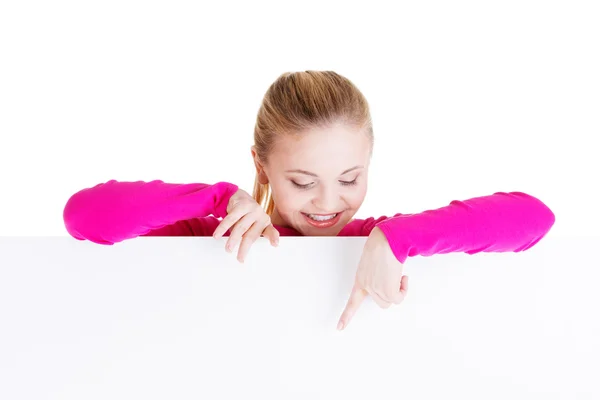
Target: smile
[
  {"x": 318, "y": 217},
  {"x": 322, "y": 220}
]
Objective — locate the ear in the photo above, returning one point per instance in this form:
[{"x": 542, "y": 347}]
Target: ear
[{"x": 260, "y": 169}]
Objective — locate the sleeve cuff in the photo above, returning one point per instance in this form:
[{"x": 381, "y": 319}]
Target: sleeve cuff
[{"x": 223, "y": 192}]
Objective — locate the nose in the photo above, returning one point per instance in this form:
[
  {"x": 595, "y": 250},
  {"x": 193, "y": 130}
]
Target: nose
[{"x": 327, "y": 200}]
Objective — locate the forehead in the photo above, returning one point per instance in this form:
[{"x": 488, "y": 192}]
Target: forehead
[{"x": 338, "y": 146}]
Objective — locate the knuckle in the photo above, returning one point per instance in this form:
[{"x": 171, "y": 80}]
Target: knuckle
[{"x": 383, "y": 303}]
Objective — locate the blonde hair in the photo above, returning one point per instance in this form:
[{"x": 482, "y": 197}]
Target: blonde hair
[{"x": 298, "y": 101}]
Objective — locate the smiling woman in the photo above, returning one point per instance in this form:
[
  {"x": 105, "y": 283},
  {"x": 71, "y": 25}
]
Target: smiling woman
[
  {"x": 333, "y": 190},
  {"x": 313, "y": 142}
]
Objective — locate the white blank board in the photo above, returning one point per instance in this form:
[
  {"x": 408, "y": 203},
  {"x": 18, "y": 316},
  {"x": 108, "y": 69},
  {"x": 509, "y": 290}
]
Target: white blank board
[{"x": 179, "y": 318}]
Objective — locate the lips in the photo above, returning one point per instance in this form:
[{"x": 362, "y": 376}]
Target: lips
[{"x": 323, "y": 224}]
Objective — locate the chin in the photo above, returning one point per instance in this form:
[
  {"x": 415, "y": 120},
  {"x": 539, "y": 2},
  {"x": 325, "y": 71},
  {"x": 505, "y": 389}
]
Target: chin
[{"x": 310, "y": 231}]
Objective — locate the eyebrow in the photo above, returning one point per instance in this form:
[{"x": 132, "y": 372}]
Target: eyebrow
[{"x": 301, "y": 171}]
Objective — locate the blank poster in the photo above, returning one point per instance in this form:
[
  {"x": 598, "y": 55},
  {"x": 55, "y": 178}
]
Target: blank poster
[{"x": 179, "y": 318}]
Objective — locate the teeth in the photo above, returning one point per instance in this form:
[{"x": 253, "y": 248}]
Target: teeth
[{"x": 321, "y": 217}]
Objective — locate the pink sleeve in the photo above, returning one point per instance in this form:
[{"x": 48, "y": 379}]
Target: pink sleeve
[
  {"x": 114, "y": 211},
  {"x": 500, "y": 222}
]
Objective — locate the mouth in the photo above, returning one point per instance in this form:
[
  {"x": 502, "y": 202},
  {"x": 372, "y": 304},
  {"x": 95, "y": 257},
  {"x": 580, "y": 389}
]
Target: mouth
[{"x": 322, "y": 220}]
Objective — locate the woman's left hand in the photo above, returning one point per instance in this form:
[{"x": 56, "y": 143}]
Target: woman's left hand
[{"x": 379, "y": 274}]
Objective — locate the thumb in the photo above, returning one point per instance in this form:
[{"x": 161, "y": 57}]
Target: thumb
[{"x": 356, "y": 298}]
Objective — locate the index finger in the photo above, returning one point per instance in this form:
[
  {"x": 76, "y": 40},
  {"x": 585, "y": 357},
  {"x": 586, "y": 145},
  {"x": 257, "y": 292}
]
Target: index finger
[
  {"x": 227, "y": 222},
  {"x": 356, "y": 298}
]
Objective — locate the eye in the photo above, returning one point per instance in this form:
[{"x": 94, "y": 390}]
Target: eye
[
  {"x": 302, "y": 186},
  {"x": 348, "y": 183}
]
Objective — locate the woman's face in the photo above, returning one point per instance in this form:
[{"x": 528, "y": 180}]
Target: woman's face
[{"x": 318, "y": 178}]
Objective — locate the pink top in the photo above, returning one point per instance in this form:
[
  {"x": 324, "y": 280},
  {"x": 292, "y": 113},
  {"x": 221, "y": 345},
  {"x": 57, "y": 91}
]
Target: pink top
[{"x": 114, "y": 211}]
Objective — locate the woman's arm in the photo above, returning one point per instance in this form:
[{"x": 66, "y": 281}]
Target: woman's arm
[
  {"x": 114, "y": 211},
  {"x": 501, "y": 222}
]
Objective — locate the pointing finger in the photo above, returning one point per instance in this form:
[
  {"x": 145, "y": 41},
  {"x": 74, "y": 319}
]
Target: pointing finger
[{"x": 356, "y": 298}]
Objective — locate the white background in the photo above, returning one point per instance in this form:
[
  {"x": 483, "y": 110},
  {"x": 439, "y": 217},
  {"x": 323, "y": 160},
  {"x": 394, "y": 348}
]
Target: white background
[{"x": 467, "y": 97}]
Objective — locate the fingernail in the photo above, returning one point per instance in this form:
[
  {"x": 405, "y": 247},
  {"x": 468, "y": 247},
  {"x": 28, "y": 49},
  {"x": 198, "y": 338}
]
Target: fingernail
[{"x": 340, "y": 326}]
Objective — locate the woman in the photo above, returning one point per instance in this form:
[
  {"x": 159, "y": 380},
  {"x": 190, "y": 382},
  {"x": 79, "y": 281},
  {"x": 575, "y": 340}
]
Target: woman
[{"x": 313, "y": 142}]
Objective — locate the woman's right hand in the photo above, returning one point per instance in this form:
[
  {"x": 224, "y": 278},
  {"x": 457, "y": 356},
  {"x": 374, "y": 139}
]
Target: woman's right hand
[{"x": 248, "y": 221}]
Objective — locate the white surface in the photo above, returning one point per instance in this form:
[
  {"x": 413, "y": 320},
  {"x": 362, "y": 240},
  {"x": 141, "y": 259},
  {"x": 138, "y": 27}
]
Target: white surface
[
  {"x": 467, "y": 97},
  {"x": 178, "y": 318}
]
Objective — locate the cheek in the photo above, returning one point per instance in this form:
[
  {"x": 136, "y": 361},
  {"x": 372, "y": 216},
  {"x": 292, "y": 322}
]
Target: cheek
[
  {"x": 356, "y": 198},
  {"x": 287, "y": 199}
]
